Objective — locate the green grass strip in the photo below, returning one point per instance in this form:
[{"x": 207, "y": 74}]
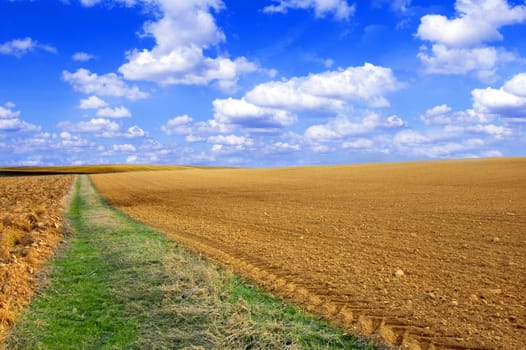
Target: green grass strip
[{"x": 121, "y": 285}]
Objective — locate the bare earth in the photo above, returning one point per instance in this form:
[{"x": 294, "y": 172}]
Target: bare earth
[
  {"x": 31, "y": 228},
  {"x": 419, "y": 255}
]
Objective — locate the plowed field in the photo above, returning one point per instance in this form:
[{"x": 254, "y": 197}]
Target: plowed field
[
  {"x": 422, "y": 255},
  {"x": 31, "y": 227}
]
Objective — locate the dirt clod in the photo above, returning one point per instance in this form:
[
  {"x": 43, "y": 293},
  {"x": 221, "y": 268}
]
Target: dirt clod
[{"x": 398, "y": 273}]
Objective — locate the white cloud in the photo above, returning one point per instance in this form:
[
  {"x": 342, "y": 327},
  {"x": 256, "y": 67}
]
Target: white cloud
[
  {"x": 9, "y": 120},
  {"x": 89, "y": 3},
  {"x": 117, "y": 112},
  {"x": 105, "y": 85},
  {"x": 192, "y": 138},
  {"x": 73, "y": 142},
  {"x": 507, "y": 102},
  {"x": 340, "y": 9},
  {"x": 288, "y": 95},
  {"x": 497, "y": 131},
  {"x": 329, "y": 90},
  {"x": 478, "y": 21},
  {"x": 231, "y": 140},
  {"x": 131, "y": 159},
  {"x": 65, "y": 135},
  {"x": 468, "y": 133},
  {"x": 124, "y": 148},
  {"x": 410, "y": 138},
  {"x": 7, "y": 112},
  {"x": 228, "y": 144},
  {"x": 359, "y": 143},
  {"x": 282, "y": 147},
  {"x": 459, "y": 43},
  {"x": 242, "y": 113},
  {"x": 96, "y": 126},
  {"x": 17, "y": 125},
  {"x": 460, "y": 149},
  {"x": 337, "y": 129},
  {"x": 19, "y": 47},
  {"x": 180, "y": 125},
  {"x": 394, "y": 121},
  {"x": 343, "y": 129},
  {"x": 134, "y": 132},
  {"x": 82, "y": 57},
  {"x": 437, "y": 115},
  {"x": 179, "y": 59},
  {"x": 411, "y": 142},
  {"x": 92, "y": 102},
  {"x": 185, "y": 66},
  {"x": 102, "y": 127},
  {"x": 481, "y": 61},
  {"x": 128, "y": 3},
  {"x": 516, "y": 85}
]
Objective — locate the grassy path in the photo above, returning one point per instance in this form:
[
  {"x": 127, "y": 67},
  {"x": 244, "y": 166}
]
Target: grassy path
[{"x": 121, "y": 285}]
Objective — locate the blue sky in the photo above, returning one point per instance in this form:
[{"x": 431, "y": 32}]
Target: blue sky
[{"x": 260, "y": 83}]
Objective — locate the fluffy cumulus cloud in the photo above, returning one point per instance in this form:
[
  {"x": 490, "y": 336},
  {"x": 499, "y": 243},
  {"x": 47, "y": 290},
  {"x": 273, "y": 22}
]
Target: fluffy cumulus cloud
[
  {"x": 481, "y": 61},
  {"x": 103, "y": 110},
  {"x": 20, "y": 47},
  {"x": 92, "y": 102},
  {"x": 180, "y": 59},
  {"x": 117, "y": 112},
  {"x": 104, "y": 85},
  {"x": 478, "y": 21},
  {"x": 339, "y": 9},
  {"x": 229, "y": 143},
  {"x": 180, "y": 125},
  {"x": 329, "y": 90},
  {"x": 242, "y": 113},
  {"x": 340, "y": 128},
  {"x": 10, "y": 121},
  {"x": 507, "y": 102},
  {"x": 134, "y": 132},
  {"x": 7, "y": 111},
  {"x": 17, "y": 125},
  {"x": 459, "y": 43}
]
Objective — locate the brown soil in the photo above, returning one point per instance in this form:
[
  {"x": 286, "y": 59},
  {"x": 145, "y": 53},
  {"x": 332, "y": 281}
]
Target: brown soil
[
  {"x": 31, "y": 227},
  {"x": 419, "y": 255}
]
